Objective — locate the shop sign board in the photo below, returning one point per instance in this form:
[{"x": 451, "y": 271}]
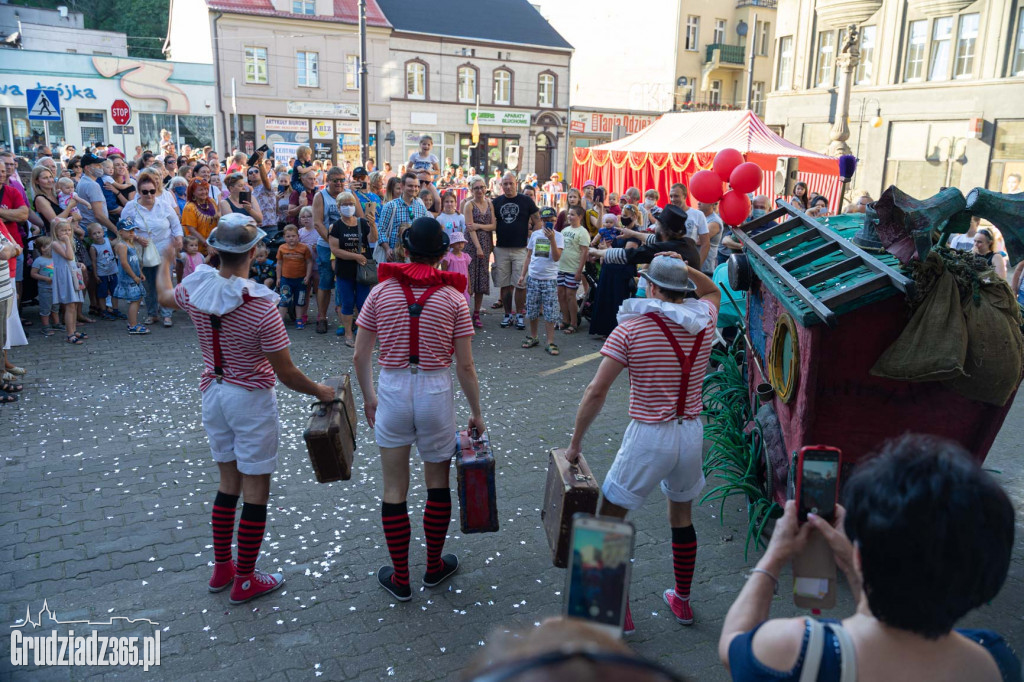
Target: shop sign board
[{"x": 509, "y": 119}]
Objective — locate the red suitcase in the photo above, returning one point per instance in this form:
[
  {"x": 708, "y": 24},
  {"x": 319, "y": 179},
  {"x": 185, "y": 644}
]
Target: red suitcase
[{"x": 474, "y": 466}]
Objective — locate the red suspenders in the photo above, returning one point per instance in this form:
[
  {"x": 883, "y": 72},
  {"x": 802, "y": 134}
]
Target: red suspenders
[
  {"x": 415, "y": 308},
  {"x": 218, "y": 356},
  {"x": 685, "y": 361}
]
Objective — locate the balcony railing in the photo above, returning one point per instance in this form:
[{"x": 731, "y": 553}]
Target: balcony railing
[
  {"x": 769, "y": 4},
  {"x": 729, "y": 54}
]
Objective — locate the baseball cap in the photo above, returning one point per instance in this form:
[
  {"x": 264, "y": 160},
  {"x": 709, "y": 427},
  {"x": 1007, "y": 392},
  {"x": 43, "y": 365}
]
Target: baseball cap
[
  {"x": 548, "y": 213},
  {"x": 90, "y": 159},
  {"x": 359, "y": 172}
]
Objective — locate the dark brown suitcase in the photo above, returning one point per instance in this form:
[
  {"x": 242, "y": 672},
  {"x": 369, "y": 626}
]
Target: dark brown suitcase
[
  {"x": 571, "y": 488},
  {"x": 331, "y": 433}
]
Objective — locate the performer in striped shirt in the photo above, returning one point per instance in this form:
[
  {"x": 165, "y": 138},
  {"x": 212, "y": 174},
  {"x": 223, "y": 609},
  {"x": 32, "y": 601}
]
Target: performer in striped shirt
[
  {"x": 421, "y": 318},
  {"x": 245, "y": 351},
  {"x": 665, "y": 342}
]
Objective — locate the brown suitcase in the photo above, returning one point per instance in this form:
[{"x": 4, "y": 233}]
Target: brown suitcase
[
  {"x": 331, "y": 433},
  {"x": 570, "y": 489}
]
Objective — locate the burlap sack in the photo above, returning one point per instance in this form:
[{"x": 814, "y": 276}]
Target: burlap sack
[{"x": 933, "y": 345}]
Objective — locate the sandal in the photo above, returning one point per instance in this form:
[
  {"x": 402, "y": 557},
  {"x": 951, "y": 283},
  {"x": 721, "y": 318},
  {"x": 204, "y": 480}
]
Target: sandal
[
  {"x": 321, "y": 326},
  {"x": 569, "y": 329},
  {"x": 20, "y": 371},
  {"x": 93, "y": 310},
  {"x": 531, "y": 341},
  {"x": 552, "y": 349},
  {"x": 476, "y": 321},
  {"x": 81, "y": 335},
  {"x": 351, "y": 343},
  {"x": 8, "y": 398},
  {"x": 75, "y": 341},
  {"x": 497, "y": 304},
  {"x": 11, "y": 388}
]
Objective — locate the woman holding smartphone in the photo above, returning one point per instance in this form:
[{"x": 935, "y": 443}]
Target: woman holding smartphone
[{"x": 239, "y": 199}]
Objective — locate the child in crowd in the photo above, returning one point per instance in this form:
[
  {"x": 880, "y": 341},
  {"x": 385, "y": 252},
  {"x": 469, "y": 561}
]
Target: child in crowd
[
  {"x": 570, "y": 266},
  {"x": 457, "y": 260},
  {"x": 104, "y": 268},
  {"x": 450, "y": 218},
  {"x": 190, "y": 257},
  {"x": 65, "y": 193},
  {"x": 308, "y": 236},
  {"x": 42, "y": 272},
  {"x": 262, "y": 269},
  {"x": 68, "y": 279},
  {"x": 427, "y": 197},
  {"x": 539, "y": 276},
  {"x": 294, "y": 272},
  {"x": 129, "y": 275},
  {"x": 303, "y": 160},
  {"x": 424, "y": 164}
]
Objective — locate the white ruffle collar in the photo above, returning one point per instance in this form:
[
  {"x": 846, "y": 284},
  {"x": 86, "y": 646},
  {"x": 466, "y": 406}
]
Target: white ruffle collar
[
  {"x": 216, "y": 295},
  {"x": 691, "y": 314}
]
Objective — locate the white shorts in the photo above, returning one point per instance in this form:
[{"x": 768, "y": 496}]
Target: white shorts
[
  {"x": 416, "y": 409},
  {"x": 243, "y": 427},
  {"x": 668, "y": 452}
]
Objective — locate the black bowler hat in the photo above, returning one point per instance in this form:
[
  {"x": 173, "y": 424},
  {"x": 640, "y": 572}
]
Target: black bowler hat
[
  {"x": 425, "y": 237},
  {"x": 673, "y": 219}
]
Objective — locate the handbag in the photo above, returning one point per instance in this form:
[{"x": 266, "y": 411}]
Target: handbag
[
  {"x": 79, "y": 279},
  {"x": 366, "y": 274},
  {"x": 150, "y": 255}
]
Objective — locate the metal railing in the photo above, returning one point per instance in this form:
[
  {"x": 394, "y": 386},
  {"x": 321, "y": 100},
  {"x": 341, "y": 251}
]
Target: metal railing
[
  {"x": 769, "y": 4},
  {"x": 728, "y": 54}
]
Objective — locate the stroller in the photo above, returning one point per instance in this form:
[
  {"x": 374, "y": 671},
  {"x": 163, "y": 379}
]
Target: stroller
[{"x": 585, "y": 297}]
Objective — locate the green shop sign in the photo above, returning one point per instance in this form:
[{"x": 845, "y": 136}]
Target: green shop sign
[{"x": 519, "y": 119}]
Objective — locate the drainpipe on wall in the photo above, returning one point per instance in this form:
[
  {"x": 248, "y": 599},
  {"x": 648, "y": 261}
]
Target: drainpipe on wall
[
  {"x": 568, "y": 127},
  {"x": 216, "y": 63}
]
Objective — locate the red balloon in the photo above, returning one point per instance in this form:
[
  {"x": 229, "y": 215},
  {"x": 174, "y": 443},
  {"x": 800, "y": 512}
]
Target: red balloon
[
  {"x": 734, "y": 208},
  {"x": 746, "y": 177},
  {"x": 725, "y": 161},
  {"x": 706, "y": 186}
]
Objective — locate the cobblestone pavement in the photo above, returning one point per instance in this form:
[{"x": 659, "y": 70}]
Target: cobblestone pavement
[{"x": 107, "y": 483}]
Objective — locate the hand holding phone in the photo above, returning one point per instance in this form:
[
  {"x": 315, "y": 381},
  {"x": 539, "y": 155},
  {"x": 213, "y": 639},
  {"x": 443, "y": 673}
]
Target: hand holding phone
[
  {"x": 254, "y": 159},
  {"x": 245, "y": 196},
  {"x": 599, "y": 569},
  {"x": 817, "y": 481}
]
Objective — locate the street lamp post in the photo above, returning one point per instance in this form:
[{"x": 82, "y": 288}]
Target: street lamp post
[
  {"x": 875, "y": 121},
  {"x": 847, "y": 61}
]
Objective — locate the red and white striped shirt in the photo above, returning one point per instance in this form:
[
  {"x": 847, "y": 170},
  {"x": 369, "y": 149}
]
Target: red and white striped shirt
[
  {"x": 445, "y": 317},
  {"x": 247, "y": 334},
  {"x": 655, "y": 371}
]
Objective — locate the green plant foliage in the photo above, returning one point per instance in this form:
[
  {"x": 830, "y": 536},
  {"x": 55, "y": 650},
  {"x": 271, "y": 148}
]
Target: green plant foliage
[
  {"x": 144, "y": 21},
  {"x": 736, "y": 452}
]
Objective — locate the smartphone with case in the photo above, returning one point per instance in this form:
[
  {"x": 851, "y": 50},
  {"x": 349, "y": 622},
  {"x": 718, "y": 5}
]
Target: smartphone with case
[
  {"x": 597, "y": 579},
  {"x": 244, "y": 196},
  {"x": 817, "y": 492},
  {"x": 255, "y": 157}
]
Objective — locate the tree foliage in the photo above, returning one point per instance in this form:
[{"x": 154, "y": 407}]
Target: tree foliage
[{"x": 144, "y": 21}]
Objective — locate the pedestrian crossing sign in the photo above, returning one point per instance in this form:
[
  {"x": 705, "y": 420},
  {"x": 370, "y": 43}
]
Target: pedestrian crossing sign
[{"x": 43, "y": 105}]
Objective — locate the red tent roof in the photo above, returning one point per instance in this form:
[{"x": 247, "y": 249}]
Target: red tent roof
[
  {"x": 345, "y": 11},
  {"x": 709, "y": 131}
]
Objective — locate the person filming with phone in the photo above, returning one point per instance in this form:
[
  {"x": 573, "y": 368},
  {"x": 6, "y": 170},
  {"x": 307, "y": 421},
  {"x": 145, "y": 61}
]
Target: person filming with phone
[
  {"x": 239, "y": 199},
  {"x": 665, "y": 342},
  {"x": 926, "y": 537}
]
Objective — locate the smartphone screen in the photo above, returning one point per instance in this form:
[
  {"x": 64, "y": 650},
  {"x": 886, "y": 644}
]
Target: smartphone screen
[
  {"x": 818, "y": 483},
  {"x": 599, "y": 570}
]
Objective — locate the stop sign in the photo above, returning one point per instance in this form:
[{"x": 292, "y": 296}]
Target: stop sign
[{"x": 121, "y": 112}]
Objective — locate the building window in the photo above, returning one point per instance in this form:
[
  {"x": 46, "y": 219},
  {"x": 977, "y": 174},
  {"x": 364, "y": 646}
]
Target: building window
[
  {"x": 546, "y": 90},
  {"x": 826, "y": 59},
  {"x": 719, "y": 37},
  {"x": 307, "y": 75},
  {"x": 938, "y": 64},
  {"x": 918, "y": 37},
  {"x": 416, "y": 80},
  {"x": 256, "y": 65},
  {"x": 303, "y": 6},
  {"x": 502, "y": 87},
  {"x": 467, "y": 84},
  {"x": 867, "y": 55},
  {"x": 1018, "y": 54},
  {"x": 784, "y": 80},
  {"x": 692, "y": 33},
  {"x": 715, "y": 96},
  {"x": 763, "y": 33},
  {"x": 757, "y": 98},
  {"x": 351, "y": 72},
  {"x": 967, "y": 38}
]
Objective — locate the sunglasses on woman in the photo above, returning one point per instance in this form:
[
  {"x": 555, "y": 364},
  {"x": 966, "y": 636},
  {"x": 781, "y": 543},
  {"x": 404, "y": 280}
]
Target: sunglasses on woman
[
  {"x": 147, "y": 192},
  {"x": 478, "y": 188}
]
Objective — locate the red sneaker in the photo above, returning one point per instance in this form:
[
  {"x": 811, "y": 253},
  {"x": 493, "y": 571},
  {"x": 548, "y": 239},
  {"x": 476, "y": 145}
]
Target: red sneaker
[
  {"x": 628, "y": 628},
  {"x": 249, "y": 587},
  {"x": 680, "y": 607},
  {"x": 223, "y": 576}
]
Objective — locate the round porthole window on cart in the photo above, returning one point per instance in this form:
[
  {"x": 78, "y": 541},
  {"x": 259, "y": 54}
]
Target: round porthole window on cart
[{"x": 784, "y": 358}]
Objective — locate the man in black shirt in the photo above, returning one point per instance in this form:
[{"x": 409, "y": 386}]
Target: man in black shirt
[
  {"x": 670, "y": 236},
  {"x": 513, "y": 213}
]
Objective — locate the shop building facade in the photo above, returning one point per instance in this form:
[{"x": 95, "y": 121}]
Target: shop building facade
[
  {"x": 506, "y": 57},
  {"x": 163, "y": 95},
  {"x": 936, "y": 97}
]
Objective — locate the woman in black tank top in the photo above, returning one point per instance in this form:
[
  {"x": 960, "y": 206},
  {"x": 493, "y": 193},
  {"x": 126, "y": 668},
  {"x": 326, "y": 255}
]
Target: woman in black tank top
[{"x": 239, "y": 199}]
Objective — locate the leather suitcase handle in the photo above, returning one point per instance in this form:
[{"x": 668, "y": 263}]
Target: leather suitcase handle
[{"x": 323, "y": 406}]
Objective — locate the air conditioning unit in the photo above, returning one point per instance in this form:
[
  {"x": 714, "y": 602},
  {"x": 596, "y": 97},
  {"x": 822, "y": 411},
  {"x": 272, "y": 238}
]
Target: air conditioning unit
[
  {"x": 786, "y": 168},
  {"x": 513, "y": 157}
]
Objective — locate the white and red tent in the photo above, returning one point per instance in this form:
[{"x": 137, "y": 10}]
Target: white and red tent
[{"x": 678, "y": 145}]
